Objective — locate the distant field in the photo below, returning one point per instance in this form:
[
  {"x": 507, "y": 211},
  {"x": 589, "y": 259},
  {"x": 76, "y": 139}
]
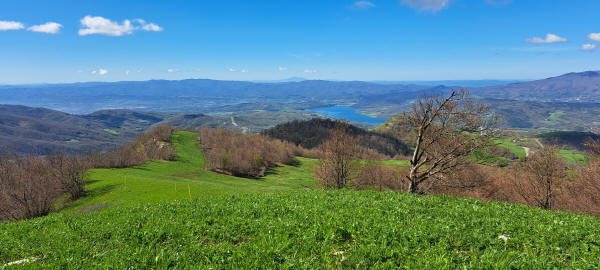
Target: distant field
[
  {"x": 507, "y": 142},
  {"x": 572, "y": 157}
]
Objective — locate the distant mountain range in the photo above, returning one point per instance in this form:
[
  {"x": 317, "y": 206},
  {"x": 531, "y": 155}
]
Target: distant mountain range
[
  {"x": 570, "y": 87},
  {"x": 95, "y": 119},
  {"x": 202, "y": 95}
]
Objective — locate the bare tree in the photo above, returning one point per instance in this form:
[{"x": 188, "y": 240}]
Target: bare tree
[
  {"x": 541, "y": 177},
  {"x": 337, "y": 165},
  {"x": 448, "y": 129}
]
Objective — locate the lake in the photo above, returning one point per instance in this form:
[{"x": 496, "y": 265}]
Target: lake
[{"x": 348, "y": 113}]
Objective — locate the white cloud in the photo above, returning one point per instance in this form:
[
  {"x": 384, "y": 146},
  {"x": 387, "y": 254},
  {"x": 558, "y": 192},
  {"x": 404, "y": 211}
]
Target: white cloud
[
  {"x": 8, "y": 25},
  {"x": 94, "y": 72},
  {"x": 594, "y": 36},
  {"x": 139, "y": 70},
  {"x": 48, "y": 28},
  {"x": 310, "y": 71},
  {"x": 429, "y": 5},
  {"x": 550, "y": 38},
  {"x": 282, "y": 68},
  {"x": 126, "y": 72},
  {"x": 588, "y": 47},
  {"x": 232, "y": 70},
  {"x": 171, "y": 70},
  {"x": 102, "y": 26},
  {"x": 243, "y": 71},
  {"x": 363, "y": 4}
]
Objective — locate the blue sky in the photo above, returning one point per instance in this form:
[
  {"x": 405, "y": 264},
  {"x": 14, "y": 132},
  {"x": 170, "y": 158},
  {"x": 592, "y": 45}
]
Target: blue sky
[{"x": 70, "y": 41}]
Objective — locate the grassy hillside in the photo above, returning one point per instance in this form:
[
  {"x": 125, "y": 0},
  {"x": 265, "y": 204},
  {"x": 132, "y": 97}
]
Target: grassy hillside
[
  {"x": 306, "y": 230},
  {"x": 159, "y": 181},
  {"x": 145, "y": 217}
]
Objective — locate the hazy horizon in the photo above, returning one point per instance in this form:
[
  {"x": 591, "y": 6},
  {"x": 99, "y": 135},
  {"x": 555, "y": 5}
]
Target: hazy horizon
[{"x": 404, "y": 40}]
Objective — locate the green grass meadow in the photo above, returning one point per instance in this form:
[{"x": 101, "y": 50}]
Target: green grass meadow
[
  {"x": 160, "y": 181},
  {"x": 147, "y": 218}
]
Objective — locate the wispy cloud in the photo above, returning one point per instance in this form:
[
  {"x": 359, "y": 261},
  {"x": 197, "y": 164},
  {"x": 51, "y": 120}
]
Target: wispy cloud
[
  {"x": 102, "y": 26},
  {"x": 550, "y": 38},
  {"x": 310, "y": 71},
  {"x": 151, "y": 27},
  {"x": 171, "y": 70},
  {"x": 48, "y": 28},
  {"x": 588, "y": 47},
  {"x": 427, "y": 5},
  {"x": 9, "y": 25},
  {"x": 126, "y": 72},
  {"x": 282, "y": 68},
  {"x": 244, "y": 71},
  {"x": 594, "y": 36},
  {"x": 100, "y": 71},
  {"x": 232, "y": 70},
  {"x": 362, "y": 4}
]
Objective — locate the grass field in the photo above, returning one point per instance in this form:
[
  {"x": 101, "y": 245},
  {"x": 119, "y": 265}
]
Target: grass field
[
  {"x": 555, "y": 118},
  {"x": 507, "y": 142},
  {"x": 308, "y": 229},
  {"x": 572, "y": 157},
  {"x": 159, "y": 181},
  {"x": 150, "y": 220}
]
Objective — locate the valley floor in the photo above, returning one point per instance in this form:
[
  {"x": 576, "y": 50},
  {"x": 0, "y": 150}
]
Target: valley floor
[{"x": 147, "y": 217}]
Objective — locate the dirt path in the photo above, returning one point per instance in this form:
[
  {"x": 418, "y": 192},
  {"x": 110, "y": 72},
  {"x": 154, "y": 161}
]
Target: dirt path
[{"x": 539, "y": 143}]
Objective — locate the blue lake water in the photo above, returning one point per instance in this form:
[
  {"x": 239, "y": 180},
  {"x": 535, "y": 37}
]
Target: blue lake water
[{"x": 348, "y": 113}]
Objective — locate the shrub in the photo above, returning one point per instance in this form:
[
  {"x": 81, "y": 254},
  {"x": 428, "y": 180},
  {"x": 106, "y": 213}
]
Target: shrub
[
  {"x": 338, "y": 163},
  {"x": 380, "y": 177},
  {"x": 243, "y": 155}
]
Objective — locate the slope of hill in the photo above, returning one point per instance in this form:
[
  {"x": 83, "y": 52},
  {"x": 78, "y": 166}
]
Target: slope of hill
[
  {"x": 246, "y": 122},
  {"x": 311, "y": 133},
  {"x": 308, "y": 229},
  {"x": 572, "y": 87},
  {"x": 181, "y": 179},
  {"x": 27, "y": 130},
  {"x": 176, "y": 215}
]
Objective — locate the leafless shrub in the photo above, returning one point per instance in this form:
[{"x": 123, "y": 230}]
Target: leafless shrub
[
  {"x": 338, "y": 163},
  {"x": 151, "y": 145},
  {"x": 70, "y": 172},
  {"x": 541, "y": 178},
  {"x": 238, "y": 154},
  {"x": 380, "y": 177},
  {"x": 27, "y": 188}
]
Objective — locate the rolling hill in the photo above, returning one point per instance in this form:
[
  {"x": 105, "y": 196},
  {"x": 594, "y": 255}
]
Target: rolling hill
[
  {"x": 570, "y": 87},
  {"x": 176, "y": 215},
  {"x": 27, "y": 130}
]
